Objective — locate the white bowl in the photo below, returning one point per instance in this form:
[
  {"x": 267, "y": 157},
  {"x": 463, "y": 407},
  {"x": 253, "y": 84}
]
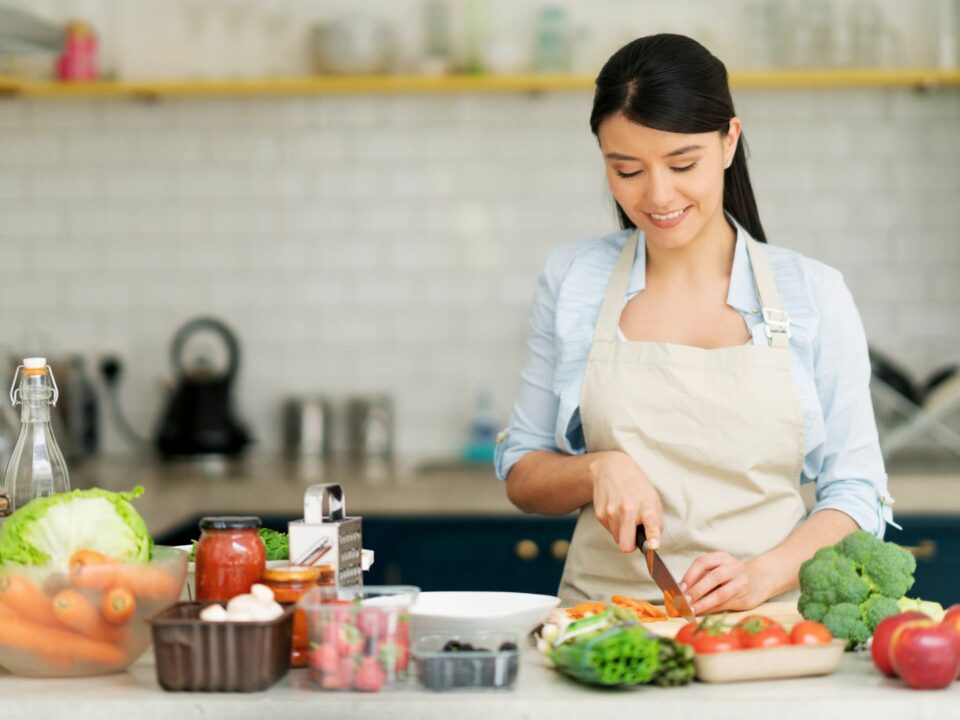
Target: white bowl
[{"x": 454, "y": 613}]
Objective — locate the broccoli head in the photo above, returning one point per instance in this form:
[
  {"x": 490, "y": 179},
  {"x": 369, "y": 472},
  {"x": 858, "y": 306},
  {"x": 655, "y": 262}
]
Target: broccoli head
[
  {"x": 889, "y": 570},
  {"x": 877, "y": 607},
  {"x": 844, "y": 621},
  {"x": 829, "y": 578},
  {"x": 811, "y": 609},
  {"x": 860, "y": 572}
]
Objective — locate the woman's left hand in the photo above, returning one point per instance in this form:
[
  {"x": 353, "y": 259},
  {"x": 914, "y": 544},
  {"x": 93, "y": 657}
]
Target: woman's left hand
[{"x": 718, "y": 581}]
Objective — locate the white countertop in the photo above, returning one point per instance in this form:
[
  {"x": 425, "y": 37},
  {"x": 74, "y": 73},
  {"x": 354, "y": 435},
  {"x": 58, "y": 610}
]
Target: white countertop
[
  {"x": 271, "y": 485},
  {"x": 856, "y": 690}
]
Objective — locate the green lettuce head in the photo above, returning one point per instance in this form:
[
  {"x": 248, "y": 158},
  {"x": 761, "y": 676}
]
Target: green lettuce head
[{"x": 48, "y": 530}]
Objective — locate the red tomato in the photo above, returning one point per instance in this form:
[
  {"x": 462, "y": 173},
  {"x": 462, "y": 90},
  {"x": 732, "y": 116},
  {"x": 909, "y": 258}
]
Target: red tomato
[
  {"x": 771, "y": 636},
  {"x": 810, "y": 632},
  {"x": 686, "y": 633},
  {"x": 705, "y": 643},
  {"x": 752, "y": 626}
]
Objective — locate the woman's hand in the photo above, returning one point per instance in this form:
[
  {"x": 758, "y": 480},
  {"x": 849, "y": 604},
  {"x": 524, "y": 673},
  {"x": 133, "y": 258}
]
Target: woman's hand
[
  {"x": 718, "y": 581},
  {"x": 623, "y": 498}
]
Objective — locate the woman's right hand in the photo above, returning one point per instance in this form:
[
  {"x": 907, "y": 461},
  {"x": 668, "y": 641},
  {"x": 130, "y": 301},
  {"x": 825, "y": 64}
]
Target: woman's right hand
[{"x": 623, "y": 497}]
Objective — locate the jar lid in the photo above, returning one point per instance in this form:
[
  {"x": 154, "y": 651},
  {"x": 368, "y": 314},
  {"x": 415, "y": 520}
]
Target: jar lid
[
  {"x": 291, "y": 573},
  {"x": 229, "y": 522}
]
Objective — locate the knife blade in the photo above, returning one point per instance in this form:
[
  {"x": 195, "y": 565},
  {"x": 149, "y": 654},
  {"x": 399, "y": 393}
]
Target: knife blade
[{"x": 662, "y": 577}]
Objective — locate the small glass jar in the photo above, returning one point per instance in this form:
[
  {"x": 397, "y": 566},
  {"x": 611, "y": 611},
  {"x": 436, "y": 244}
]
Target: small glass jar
[
  {"x": 289, "y": 583},
  {"x": 230, "y": 557}
]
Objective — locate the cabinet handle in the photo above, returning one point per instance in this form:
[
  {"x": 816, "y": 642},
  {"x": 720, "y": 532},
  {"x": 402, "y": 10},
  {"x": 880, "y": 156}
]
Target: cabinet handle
[
  {"x": 925, "y": 550},
  {"x": 527, "y": 550},
  {"x": 559, "y": 549}
]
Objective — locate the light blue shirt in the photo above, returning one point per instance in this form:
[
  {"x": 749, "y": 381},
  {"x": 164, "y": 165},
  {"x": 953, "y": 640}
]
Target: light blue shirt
[{"x": 828, "y": 360}]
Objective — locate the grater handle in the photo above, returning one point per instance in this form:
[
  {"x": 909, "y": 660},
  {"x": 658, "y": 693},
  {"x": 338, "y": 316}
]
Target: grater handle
[{"x": 313, "y": 503}]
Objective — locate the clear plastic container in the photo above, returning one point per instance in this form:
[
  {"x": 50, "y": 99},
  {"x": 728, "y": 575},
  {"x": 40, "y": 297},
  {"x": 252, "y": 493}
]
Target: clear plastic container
[
  {"x": 476, "y": 661},
  {"x": 359, "y": 637},
  {"x": 38, "y": 600}
]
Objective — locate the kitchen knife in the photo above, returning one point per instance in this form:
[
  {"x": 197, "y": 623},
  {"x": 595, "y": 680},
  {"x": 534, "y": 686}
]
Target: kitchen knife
[{"x": 662, "y": 577}]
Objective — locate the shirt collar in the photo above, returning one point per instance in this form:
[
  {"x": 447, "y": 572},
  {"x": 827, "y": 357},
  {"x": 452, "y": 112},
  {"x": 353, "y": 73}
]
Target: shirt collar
[{"x": 742, "y": 294}]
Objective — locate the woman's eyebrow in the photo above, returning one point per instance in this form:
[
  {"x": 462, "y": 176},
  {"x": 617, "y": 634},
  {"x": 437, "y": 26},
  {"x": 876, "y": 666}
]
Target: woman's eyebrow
[{"x": 673, "y": 153}]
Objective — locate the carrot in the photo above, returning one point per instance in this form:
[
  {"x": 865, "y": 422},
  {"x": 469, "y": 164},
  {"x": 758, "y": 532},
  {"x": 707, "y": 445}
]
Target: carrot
[
  {"x": 669, "y": 606},
  {"x": 144, "y": 581},
  {"x": 85, "y": 557},
  {"x": 644, "y": 610},
  {"x": 118, "y": 605},
  {"x": 37, "y": 638},
  {"x": 95, "y": 577},
  {"x": 580, "y": 611},
  {"x": 78, "y": 613},
  {"x": 26, "y": 600}
]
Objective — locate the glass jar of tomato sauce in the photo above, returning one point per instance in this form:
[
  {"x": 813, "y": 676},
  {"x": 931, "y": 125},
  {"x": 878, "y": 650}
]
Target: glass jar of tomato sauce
[
  {"x": 289, "y": 583},
  {"x": 230, "y": 557}
]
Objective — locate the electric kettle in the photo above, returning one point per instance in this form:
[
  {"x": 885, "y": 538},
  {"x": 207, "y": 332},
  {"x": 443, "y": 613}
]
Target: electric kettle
[{"x": 199, "y": 419}]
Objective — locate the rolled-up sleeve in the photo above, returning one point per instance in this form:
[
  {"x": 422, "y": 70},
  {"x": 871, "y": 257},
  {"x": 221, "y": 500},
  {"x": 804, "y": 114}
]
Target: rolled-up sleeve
[
  {"x": 534, "y": 416},
  {"x": 852, "y": 478}
]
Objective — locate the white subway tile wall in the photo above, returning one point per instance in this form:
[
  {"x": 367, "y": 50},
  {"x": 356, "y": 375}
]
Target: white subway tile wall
[{"x": 392, "y": 243}]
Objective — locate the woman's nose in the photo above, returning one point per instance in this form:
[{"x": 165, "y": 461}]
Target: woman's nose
[{"x": 658, "y": 192}]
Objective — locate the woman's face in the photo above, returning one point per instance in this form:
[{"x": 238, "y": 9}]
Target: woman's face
[{"x": 669, "y": 184}]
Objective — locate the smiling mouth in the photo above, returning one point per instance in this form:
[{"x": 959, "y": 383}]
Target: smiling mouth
[{"x": 668, "y": 216}]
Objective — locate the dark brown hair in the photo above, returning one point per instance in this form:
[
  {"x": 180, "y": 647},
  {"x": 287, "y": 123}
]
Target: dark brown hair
[{"x": 673, "y": 83}]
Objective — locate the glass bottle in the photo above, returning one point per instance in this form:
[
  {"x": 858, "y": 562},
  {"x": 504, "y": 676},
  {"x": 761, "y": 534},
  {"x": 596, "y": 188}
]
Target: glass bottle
[{"x": 36, "y": 467}]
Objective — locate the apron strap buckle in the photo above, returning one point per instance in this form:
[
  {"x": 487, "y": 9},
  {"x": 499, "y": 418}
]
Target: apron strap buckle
[{"x": 776, "y": 321}]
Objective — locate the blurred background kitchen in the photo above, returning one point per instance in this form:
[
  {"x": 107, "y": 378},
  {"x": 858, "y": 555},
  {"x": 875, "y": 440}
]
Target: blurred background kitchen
[{"x": 353, "y": 201}]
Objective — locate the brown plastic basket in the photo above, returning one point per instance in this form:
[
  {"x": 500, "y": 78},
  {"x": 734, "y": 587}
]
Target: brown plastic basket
[{"x": 198, "y": 656}]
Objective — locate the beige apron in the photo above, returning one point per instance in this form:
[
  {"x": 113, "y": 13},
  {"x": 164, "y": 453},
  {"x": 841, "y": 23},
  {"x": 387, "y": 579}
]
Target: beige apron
[{"x": 718, "y": 432}]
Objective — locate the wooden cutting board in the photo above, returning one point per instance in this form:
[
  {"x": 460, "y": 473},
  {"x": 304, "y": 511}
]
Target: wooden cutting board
[{"x": 784, "y": 613}]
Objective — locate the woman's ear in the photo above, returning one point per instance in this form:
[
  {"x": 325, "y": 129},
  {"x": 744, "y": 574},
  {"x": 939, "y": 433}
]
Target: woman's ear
[{"x": 730, "y": 141}]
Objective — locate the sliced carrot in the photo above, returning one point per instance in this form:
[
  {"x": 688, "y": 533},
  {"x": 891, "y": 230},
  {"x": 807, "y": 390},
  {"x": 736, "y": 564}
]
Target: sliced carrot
[
  {"x": 78, "y": 613},
  {"x": 644, "y": 610},
  {"x": 42, "y": 639},
  {"x": 118, "y": 605},
  {"x": 26, "y": 600},
  {"x": 577, "y": 612},
  {"x": 669, "y": 606}
]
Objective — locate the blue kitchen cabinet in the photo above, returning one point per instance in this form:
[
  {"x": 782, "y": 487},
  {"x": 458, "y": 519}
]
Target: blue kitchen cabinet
[
  {"x": 524, "y": 554},
  {"x": 936, "y": 543},
  {"x": 469, "y": 553}
]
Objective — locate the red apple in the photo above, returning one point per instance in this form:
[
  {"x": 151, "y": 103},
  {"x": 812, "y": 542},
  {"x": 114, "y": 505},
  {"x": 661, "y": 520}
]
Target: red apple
[
  {"x": 880, "y": 648},
  {"x": 952, "y": 619},
  {"x": 925, "y": 654}
]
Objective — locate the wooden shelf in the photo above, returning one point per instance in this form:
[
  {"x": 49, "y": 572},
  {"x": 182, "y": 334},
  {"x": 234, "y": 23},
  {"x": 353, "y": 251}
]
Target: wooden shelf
[{"x": 401, "y": 84}]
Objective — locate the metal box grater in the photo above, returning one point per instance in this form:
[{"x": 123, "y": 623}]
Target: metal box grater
[{"x": 329, "y": 538}]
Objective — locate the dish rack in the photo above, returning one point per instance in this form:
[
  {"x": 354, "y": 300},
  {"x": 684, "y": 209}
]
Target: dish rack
[{"x": 907, "y": 411}]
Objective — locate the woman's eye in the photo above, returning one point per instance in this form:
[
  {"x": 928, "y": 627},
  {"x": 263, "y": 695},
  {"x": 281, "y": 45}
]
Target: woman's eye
[
  {"x": 628, "y": 175},
  {"x": 691, "y": 166}
]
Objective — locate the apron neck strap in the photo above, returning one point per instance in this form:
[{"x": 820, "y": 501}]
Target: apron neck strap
[
  {"x": 776, "y": 320},
  {"x": 609, "y": 320}
]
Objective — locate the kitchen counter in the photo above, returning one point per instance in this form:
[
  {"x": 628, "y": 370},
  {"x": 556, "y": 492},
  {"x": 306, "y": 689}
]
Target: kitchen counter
[
  {"x": 272, "y": 485},
  {"x": 856, "y": 690}
]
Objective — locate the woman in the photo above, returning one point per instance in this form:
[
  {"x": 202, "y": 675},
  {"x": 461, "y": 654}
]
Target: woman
[{"x": 683, "y": 375}]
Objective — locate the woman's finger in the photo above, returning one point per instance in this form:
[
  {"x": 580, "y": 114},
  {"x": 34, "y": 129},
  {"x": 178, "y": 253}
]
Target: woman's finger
[
  {"x": 652, "y": 527},
  {"x": 700, "y": 567},
  {"x": 725, "y": 597},
  {"x": 628, "y": 528}
]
